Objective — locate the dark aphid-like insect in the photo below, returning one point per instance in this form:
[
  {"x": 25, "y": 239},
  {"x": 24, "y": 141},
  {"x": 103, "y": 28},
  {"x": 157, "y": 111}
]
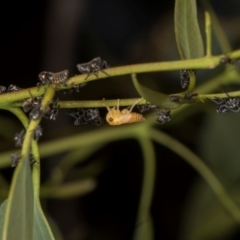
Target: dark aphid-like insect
[
  {"x": 185, "y": 78},
  {"x": 32, "y": 160},
  {"x": 58, "y": 79},
  {"x": 79, "y": 116},
  {"x": 52, "y": 110},
  {"x": 18, "y": 138},
  {"x": 12, "y": 88},
  {"x": 92, "y": 116},
  {"x": 85, "y": 116},
  {"x": 15, "y": 158},
  {"x": 227, "y": 104},
  {"x": 36, "y": 111},
  {"x": 2, "y": 89},
  {"x": 146, "y": 107},
  {"x": 176, "y": 98},
  {"x": 31, "y": 102},
  {"x": 190, "y": 96},
  {"x": 94, "y": 66},
  {"x": 164, "y": 116},
  {"x": 38, "y": 133}
]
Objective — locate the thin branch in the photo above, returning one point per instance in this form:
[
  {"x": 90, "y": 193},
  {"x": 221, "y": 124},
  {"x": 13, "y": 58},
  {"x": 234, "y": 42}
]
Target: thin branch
[{"x": 201, "y": 168}]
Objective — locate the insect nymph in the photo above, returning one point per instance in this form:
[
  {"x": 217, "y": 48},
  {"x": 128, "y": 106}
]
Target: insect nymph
[
  {"x": 94, "y": 66},
  {"x": 117, "y": 117},
  {"x": 58, "y": 79}
]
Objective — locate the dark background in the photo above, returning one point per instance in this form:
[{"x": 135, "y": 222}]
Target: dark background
[{"x": 55, "y": 35}]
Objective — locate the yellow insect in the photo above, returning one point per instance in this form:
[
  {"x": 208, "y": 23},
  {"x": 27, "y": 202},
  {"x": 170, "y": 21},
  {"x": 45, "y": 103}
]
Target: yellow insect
[{"x": 117, "y": 117}]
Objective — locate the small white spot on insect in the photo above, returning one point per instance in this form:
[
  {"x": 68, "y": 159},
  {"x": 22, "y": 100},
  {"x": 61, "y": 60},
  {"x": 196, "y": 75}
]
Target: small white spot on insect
[{"x": 116, "y": 117}]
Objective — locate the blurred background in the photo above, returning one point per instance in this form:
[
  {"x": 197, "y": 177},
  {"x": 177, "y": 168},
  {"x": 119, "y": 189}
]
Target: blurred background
[{"x": 55, "y": 35}]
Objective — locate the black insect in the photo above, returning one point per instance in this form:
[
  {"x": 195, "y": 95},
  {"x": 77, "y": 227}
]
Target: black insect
[
  {"x": 18, "y": 138},
  {"x": 92, "y": 116},
  {"x": 38, "y": 133},
  {"x": 58, "y": 79},
  {"x": 222, "y": 108},
  {"x": 32, "y": 160},
  {"x": 36, "y": 111},
  {"x": 94, "y": 66},
  {"x": 190, "y": 96},
  {"x": 79, "y": 116},
  {"x": 12, "y": 88},
  {"x": 176, "y": 98},
  {"x": 185, "y": 77},
  {"x": 31, "y": 102},
  {"x": 52, "y": 110},
  {"x": 226, "y": 60},
  {"x": 146, "y": 107},
  {"x": 15, "y": 159},
  {"x": 2, "y": 89},
  {"x": 85, "y": 116},
  {"x": 164, "y": 116},
  {"x": 228, "y": 104}
]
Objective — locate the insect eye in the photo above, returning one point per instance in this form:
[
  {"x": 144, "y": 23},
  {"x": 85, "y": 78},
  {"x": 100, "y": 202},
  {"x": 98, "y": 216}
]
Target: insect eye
[{"x": 110, "y": 119}]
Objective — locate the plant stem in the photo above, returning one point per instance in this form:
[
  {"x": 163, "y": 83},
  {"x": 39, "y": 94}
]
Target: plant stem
[{"x": 201, "y": 168}]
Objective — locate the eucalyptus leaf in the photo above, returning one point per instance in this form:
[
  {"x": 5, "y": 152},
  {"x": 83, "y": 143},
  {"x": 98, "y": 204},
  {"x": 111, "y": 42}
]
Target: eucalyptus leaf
[
  {"x": 41, "y": 227},
  {"x": 2, "y": 215},
  {"x": 154, "y": 97},
  {"x": 55, "y": 228},
  {"x": 188, "y": 35},
  {"x": 18, "y": 218}
]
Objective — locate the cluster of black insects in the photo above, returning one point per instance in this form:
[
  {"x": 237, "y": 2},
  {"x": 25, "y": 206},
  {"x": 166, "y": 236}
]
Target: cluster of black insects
[
  {"x": 85, "y": 116},
  {"x": 10, "y": 88},
  {"x": 33, "y": 104},
  {"x": 93, "y": 67},
  {"x": 18, "y": 138},
  {"x": 184, "y": 81},
  {"x": 163, "y": 116},
  {"x": 60, "y": 79},
  {"x": 228, "y": 104}
]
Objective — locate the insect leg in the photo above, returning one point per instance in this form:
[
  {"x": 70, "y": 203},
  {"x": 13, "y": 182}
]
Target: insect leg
[
  {"x": 108, "y": 108},
  {"x": 105, "y": 73},
  {"x": 135, "y": 104},
  {"x": 88, "y": 74},
  {"x": 118, "y": 103}
]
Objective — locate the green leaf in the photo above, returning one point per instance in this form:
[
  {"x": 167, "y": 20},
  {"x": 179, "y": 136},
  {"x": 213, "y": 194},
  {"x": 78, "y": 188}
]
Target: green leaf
[
  {"x": 18, "y": 217},
  {"x": 154, "y": 97},
  {"x": 55, "y": 228},
  {"x": 41, "y": 227},
  {"x": 2, "y": 215},
  {"x": 188, "y": 35}
]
